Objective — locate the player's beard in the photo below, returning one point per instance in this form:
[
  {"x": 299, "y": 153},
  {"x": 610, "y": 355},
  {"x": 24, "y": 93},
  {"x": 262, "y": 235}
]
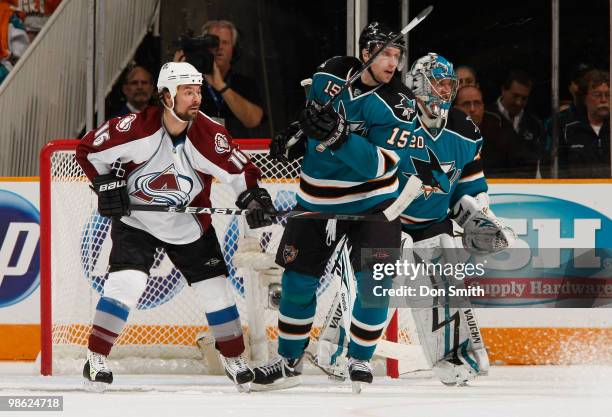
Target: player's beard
[{"x": 188, "y": 115}]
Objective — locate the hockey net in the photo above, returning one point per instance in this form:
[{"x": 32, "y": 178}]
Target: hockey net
[{"x": 160, "y": 336}]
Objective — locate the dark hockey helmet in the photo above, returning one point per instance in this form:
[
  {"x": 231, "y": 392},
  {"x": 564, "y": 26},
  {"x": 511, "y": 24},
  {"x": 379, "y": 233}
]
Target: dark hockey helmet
[{"x": 375, "y": 34}]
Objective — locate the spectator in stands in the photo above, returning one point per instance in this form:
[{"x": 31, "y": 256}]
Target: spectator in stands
[
  {"x": 13, "y": 38},
  {"x": 466, "y": 76},
  {"x": 567, "y": 111},
  {"x": 37, "y": 12},
  {"x": 469, "y": 100},
  {"x": 585, "y": 137},
  {"x": 229, "y": 97},
  {"x": 138, "y": 88},
  {"x": 521, "y": 147}
]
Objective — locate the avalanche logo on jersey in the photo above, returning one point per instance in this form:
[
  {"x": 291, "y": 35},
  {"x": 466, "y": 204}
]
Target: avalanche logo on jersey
[
  {"x": 437, "y": 177},
  {"x": 166, "y": 187},
  {"x": 406, "y": 105},
  {"x": 125, "y": 123},
  {"x": 221, "y": 143}
]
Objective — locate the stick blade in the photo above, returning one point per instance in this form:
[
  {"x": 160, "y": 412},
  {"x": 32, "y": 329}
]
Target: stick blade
[
  {"x": 425, "y": 12},
  {"x": 411, "y": 191},
  {"x": 418, "y": 19}
]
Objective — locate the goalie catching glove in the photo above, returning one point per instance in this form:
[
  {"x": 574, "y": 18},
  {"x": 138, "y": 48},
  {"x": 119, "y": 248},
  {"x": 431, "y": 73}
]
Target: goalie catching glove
[
  {"x": 326, "y": 126},
  {"x": 483, "y": 232},
  {"x": 259, "y": 204},
  {"x": 113, "y": 199}
]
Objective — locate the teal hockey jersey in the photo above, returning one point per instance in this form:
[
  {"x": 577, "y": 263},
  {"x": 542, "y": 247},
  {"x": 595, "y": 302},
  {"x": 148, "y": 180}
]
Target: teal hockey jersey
[
  {"x": 363, "y": 171},
  {"x": 449, "y": 165}
]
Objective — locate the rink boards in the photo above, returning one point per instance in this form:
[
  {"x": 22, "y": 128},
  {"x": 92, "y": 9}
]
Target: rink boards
[{"x": 513, "y": 335}]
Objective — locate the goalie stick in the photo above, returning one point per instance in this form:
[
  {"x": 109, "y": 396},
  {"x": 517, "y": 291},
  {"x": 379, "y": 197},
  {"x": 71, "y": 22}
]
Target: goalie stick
[
  {"x": 413, "y": 23},
  {"x": 411, "y": 191}
]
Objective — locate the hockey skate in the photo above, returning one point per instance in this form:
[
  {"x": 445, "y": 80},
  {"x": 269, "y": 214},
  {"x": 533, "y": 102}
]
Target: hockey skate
[
  {"x": 360, "y": 372},
  {"x": 281, "y": 373},
  {"x": 96, "y": 372},
  {"x": 238, "y": 371},
  {"x": 453, "y": 372}
]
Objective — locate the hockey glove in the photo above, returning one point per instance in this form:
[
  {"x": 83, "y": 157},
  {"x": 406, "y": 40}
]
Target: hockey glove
[
  {"x": 483, "y": 232},
  {"x": 326, "y": 126},
  {"x": 113, "y": 199},
  {"x": 259, "y": 204},
  {"x": 282, "y": 150}
]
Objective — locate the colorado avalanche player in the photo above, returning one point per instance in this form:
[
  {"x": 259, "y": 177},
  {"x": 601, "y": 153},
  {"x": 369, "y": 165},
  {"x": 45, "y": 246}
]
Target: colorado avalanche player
[{"x": 167, "y": 156}]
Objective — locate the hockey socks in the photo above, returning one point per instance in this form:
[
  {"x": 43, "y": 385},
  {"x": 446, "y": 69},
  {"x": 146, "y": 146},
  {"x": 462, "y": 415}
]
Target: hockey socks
[
  {"x": 296, "y": 313},
  {"x": 222, "y": 315},
  {"x": 109, "y": 320},
  {"x": 226, "y": 328},
  {"x": 367, "y": 321}
]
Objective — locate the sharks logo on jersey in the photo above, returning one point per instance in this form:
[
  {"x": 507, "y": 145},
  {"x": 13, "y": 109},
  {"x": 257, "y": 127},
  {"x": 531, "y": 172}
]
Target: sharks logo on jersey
[
  {"x": 437, "y": 177},
  {"x": 355, "y": 126},
  {"x": 165, "y": 187},
  {"x": 406, "y": 106}
]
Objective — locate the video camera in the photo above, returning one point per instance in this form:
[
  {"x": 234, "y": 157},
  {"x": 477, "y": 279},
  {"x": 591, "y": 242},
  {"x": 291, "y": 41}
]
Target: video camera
[{"x": 199, "y": 51}]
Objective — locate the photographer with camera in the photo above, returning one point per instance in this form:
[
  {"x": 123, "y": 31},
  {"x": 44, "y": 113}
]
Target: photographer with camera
[{"x": 230, "y": 98}]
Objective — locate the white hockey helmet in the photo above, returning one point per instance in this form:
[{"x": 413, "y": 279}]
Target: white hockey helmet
[{"x": 173, "y": 74}]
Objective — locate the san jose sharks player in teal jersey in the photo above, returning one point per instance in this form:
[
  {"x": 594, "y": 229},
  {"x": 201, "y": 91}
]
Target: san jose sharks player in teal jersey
[
  {"x": 445, "y": 146},
  {"x": 350, "y": 166},
  {"x": 446, "y": 157}
]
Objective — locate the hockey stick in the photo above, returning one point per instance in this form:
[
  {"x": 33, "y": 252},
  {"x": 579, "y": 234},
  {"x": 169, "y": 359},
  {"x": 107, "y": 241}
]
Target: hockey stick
[
  {"x": 411, "y": 191},
  {"x": 413, "y": 23},
  {"x": 341, "y": 312}
]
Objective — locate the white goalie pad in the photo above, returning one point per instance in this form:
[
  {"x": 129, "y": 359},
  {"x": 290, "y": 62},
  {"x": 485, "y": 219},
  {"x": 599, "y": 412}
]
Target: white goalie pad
[{"x": 450, "y": 336}]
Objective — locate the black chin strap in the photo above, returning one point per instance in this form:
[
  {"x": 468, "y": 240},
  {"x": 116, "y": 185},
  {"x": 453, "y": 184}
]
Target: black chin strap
[{"x": 373, "y": 76}]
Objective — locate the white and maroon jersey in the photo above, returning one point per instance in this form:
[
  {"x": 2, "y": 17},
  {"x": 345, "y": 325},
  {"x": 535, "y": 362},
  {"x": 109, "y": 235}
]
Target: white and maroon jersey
[{"x": 160, "y": 171}]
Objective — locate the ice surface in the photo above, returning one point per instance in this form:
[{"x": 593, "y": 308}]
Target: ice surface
[{"x": 542, "y": 391}]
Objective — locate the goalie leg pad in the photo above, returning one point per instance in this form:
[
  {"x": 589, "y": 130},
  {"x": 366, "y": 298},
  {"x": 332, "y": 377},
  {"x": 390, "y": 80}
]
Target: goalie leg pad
[
  {"x": 296, "y": 313},
  {"x": 450, "y": 336},
  {"x": 222, "y": 315}
]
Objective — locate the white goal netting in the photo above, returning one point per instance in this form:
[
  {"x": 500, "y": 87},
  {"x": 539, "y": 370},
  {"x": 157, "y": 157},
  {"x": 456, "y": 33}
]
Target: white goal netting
[{"x": 160, "y": 335}]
